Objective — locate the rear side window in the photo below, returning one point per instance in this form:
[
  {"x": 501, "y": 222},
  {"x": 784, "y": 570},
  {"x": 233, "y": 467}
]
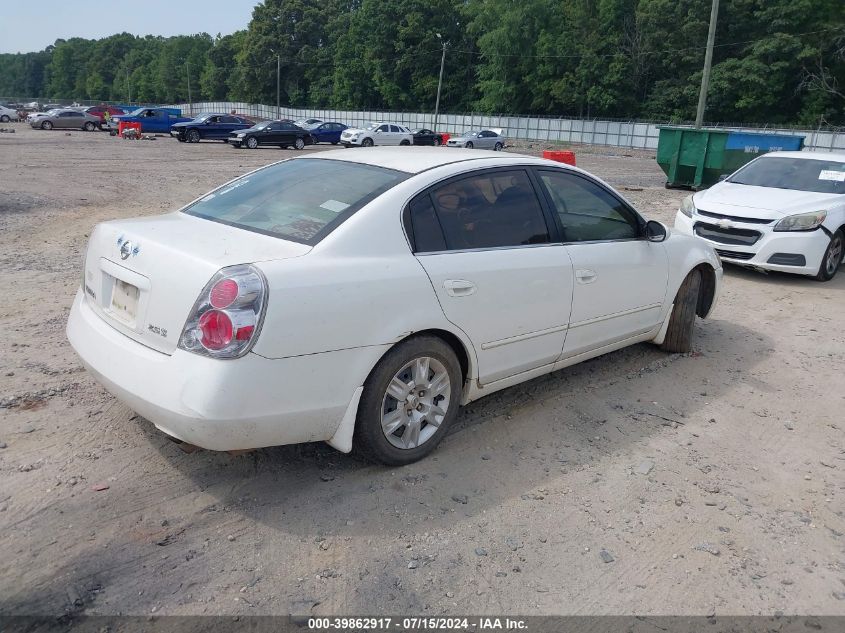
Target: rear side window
[
  {"x": 301, "y": 200},
  {"x": 428, "y": 235},
  {"x": 587, "y": 211},
  {"x": 487, "y": 210}
]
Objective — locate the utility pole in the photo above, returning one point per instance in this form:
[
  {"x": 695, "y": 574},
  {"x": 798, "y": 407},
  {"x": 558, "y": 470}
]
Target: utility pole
[
  {"x": 128, "y": 88},
  {"x": 190, "y": 101},
  {"x": 708, "y": 61},
  {"x": 439, "y": 81},
  {"x": 278, "y": 84}
]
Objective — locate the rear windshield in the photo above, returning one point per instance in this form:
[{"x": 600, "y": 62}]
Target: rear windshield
[
  {"x": 301, "y": 200},
  {"x": 799, "y": 174}
]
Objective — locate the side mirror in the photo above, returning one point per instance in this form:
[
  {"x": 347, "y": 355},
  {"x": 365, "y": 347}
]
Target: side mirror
[{"x": 655, "y": 231}]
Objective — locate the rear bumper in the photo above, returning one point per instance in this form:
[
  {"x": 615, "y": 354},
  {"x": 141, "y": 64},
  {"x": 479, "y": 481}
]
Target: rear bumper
[
  {"x": 771, "y": 248},
  {"x": 220, "y": 405}
]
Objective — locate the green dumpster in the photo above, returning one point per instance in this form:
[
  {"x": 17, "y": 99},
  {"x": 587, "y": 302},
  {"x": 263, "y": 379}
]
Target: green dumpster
[{"x": 695, "y": 158}]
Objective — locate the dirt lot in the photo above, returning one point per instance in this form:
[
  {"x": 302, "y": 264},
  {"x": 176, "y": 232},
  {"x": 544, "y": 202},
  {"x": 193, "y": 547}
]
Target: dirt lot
[{"x": 710, "y": 483}]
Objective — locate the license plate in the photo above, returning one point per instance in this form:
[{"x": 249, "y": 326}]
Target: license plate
[{"x": 124, "y": 301}]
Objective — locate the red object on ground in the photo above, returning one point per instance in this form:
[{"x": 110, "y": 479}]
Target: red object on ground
[
  {"x": 99, "y": 487},
  {"x": 561, "y": 156},
  {"x": 122, "y": 126},
  {"x": 444, "y": 137}
]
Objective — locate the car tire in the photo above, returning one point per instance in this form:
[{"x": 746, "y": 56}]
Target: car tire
[
  {"x": 193, "y": 136},
  {"x": 678, "y": 339},
  {"x": 334, "y": 142},
  {"x": 832, "y": 257},
  {"x": 46, "y": 125},
  {"x": 498, "y": 147},
  {"x": 438, "y": 141},
  {"x": 251, "y": 142},
  {"x": 367, "y": 142},
  {"x": 404, "y": 143},
  {"x": 89, "y": 126},
  {"x": 469, "y": 145},
  {"x": 299, "y": 143},
  {"x": 378, "y": 407},
  {"x": 5, "y": 118}
]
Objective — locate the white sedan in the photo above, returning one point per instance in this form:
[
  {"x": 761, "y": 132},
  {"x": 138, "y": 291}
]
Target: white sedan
[
  {"x": 8, "y": 114},
  {"x": 377, "y": 134},
  {"x": 782, "y": 211},
  {"x": 360, "y": 299}
]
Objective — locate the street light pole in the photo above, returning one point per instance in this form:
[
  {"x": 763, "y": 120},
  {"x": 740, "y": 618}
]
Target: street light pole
[
  {"x": 278, "y": 91},
  {"x": 128, "y": 88},
  {"x": 708, "y": 61},
  {"x": 439, "y": 81},
  {"x": 188, "y": 74}
]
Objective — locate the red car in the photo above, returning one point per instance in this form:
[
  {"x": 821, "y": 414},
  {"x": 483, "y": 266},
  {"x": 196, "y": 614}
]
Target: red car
[{"x": 100, "y": 111}]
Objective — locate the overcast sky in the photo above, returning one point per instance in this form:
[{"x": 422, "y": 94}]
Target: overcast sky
[{"x": 32, "y": 25}]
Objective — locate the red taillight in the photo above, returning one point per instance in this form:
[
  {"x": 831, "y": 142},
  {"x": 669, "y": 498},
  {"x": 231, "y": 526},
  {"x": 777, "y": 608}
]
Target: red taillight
[
  {"x": 224, "y": 293},
  {"x": 226, "y": 318},
  {"x": 216, "y": 329},
  {"x": 245, "y": 332}
]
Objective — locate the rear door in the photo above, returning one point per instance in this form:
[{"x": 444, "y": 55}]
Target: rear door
[
  {"x": 619, "y": 277},
  {"x": 488, "y": 245}
]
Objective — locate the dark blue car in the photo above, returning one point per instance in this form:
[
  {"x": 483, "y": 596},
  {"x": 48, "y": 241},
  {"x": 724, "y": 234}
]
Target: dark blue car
[
  {"x": 328, "y": 132},
  {"x": 216, "y": 127}
]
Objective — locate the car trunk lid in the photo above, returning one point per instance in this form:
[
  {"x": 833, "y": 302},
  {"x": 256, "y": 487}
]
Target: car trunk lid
[{"x": 143, "y": 276}]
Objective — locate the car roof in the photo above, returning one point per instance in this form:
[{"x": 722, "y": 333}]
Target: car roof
[
  {"x": 414, "y": 160},
  {"x": 840, "y": 156}
]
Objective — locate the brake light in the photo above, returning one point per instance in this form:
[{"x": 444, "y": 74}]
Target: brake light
[
  {"x": 226, "y": 318},
  {"x": 224, "y": 293},
  {"x": 215, "y": 329}
]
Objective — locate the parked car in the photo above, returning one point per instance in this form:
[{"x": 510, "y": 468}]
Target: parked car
[
  {"x": 32, "y": 116},
  {"x": 100, "y": 111},
  {"x": 66, "y": 119},
  {"x": 307, "y": 124},
  {"x": 360, "y": 298},
  {"x": 327, "y": 132},
  {"x": 377, "y": 134},
  {"x": 424, "y": 136},
  {"x": 152, "y": 120},
  {"x": 782, "y": 211},
  {"x": 280, "y": 133},
  {"x": 479, "y": 139},
  {"x": 8, "y": 114},
  {"x": 216, "y": 127}
]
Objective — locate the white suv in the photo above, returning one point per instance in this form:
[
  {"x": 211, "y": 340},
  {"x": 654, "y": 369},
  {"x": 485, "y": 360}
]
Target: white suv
[{"x": 377, "y": 134}]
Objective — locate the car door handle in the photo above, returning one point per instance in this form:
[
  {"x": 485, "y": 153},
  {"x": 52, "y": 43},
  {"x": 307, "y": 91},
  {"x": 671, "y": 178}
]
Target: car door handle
[
  {"x": 459, "y": 287},
  {"x": 585, "y": 276}
]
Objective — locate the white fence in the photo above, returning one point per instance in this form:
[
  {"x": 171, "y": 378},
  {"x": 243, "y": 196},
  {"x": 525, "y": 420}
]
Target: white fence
[{"x": 625, "y": 134}]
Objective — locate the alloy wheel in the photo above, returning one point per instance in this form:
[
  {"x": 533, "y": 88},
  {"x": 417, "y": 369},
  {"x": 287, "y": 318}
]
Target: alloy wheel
[
  {"x": 834, "y": 254},
  {"x": 416, "y": 402}
]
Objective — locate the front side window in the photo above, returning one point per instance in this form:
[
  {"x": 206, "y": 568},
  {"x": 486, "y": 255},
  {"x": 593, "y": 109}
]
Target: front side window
[
  {"x": 587, "y": 211},
  {"x": 487, "y": 210},
  {"x": 384, "y": 128},
  {"x": 300, "y": 200}
]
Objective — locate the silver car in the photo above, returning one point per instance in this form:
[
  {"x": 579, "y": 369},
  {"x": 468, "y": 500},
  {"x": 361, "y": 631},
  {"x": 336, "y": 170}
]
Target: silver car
[
  {"x": 480, "y": 139},
  {"x": 66, "y": 119}
]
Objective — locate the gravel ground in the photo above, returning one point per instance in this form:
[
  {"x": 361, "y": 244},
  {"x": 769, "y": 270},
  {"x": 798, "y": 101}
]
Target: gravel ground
[{"x": 635, "y": 483}]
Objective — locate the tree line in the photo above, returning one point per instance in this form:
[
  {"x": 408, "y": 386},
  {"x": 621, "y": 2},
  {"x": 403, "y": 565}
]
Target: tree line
[{"x": 775, "y": 61}]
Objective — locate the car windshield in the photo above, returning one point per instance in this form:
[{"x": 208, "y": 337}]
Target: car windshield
[
  {"x": 372, "y": 126},
  {"x": 301, "y": 200},
  {"x": 475, "y": 133},
  {"x": 799, "y": 174}
]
